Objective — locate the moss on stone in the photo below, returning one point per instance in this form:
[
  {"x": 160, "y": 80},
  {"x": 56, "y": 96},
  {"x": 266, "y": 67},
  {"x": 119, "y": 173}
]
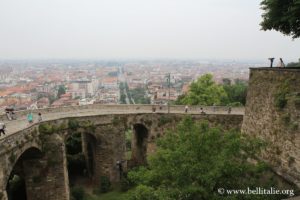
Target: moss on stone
[
  {"x": 282, "y": 94},
  {"x": 164, "y": 120},
  {"x": 73, "y": 124},
  {"x": 12, "y": 157},
  {"x": 88, "y": 126},
  {"x": 116, "y": 120}
]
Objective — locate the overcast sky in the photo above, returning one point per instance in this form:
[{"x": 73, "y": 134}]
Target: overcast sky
[{"x": 105, "y": 29}]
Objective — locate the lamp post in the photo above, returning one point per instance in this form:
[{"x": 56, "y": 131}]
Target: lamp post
[{"x": 169, "y": 83}]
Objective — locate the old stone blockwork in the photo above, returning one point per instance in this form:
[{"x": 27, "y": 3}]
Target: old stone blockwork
[
  {"x": 39, "y": 151},
  {"x": 273, "y": 114},
  {"x": 40, "y": 159}
]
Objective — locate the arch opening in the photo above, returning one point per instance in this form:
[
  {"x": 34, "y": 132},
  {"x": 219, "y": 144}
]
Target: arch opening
[
  {"x": 16, "y": 186},
  {"x": 90, "y": 154},
  {"x": 139, "y": 144},
  {"x": 75, "y": 158}
]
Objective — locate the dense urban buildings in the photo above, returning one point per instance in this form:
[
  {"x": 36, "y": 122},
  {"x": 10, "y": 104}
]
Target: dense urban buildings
[{"x": 40, "y": 84}]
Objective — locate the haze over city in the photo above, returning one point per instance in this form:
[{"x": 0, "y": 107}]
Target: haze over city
[{"x": 164, "y": 29}]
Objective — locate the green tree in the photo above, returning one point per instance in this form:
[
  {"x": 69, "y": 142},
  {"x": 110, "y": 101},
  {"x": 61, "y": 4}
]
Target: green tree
[
  {"x": 236, "y": 92},
  {"x": 195, "y": 160},
  {"x": 179, "y": 99},
  {"x": 139, "y": 95},
  {"x": 113, "y": 74},
  {"x": 294, "y": 64},
  {"x": 204, "y": 91},
  {"x": 61, "y": 91},
  {"x": 281, "y": 15}
]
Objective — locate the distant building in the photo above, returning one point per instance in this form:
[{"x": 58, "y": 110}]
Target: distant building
[
  {"x": 43, "y": 103},
  {"x": 110, "y": 82},
  {"x": 84, "y": 88}
]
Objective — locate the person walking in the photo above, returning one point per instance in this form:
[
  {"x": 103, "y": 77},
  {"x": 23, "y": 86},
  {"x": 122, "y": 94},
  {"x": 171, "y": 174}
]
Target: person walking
[
  {"x": 202, "y": 111},
  {"x": 13, "y": 115},
  {"x": 8, "y": 115},
  {"x": 30, "y": 118},
  {"x": 2, "y": 128},
  {"x": 186, "y": 109},
  {"x": 153, "y": 108},
  {"x": 120, "y": 168},
  {"x": 229, "y": 109},
  {"x": 40, "y": 117},
  {"x": 214, "y": 107}
]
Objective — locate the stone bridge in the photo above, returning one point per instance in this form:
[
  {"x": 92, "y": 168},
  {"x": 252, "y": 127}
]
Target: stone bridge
[{"x": 37, "y": 151}]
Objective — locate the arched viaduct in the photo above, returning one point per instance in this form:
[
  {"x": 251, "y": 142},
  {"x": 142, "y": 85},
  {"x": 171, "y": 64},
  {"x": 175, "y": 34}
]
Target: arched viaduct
[{"x": 37, "y": 152}]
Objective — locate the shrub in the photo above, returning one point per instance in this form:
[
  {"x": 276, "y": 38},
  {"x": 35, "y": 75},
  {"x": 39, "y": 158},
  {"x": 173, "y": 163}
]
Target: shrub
[
  {"x": 46, "y": 129},
  {"x": 280, "y": 100},
  {"x": 104, "y": 184},
  {"x": 163, "y": 120},
  {"x": 143, "y": 192},
  {"x": 73, "y": 124},
  {"x": 77, "y": 193},
  {"x": 126, "y": 184}
]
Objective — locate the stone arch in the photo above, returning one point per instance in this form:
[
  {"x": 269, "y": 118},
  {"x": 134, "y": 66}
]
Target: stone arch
[
  {"x": 21, "y": 169},
  {"x": 139, "y": 144},
  {"x": 42, "y": 163},
  {"x": 74, "y": 151}
]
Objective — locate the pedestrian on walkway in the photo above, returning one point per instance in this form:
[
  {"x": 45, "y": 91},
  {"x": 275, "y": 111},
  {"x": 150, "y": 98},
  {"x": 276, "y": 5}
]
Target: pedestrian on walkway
[
  {"x": 202, "y": 111},
  {"x": 30, "y": 118},
  {"x": 229, "y": 109},
  {"x": 153, "y": 109},
  {"x": 120, "y": 168},
  {"x": 13, "y": 115},
  {"x": 186, "y": 109},
  {"x": 214, "y": 107},
  {"x": 2, "y": 128},
  {"x": 40, "y": 117},
  {"x": 8, "y": 116}
]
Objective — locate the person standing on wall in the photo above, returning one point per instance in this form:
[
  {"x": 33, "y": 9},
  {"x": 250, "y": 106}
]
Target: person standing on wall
[
  {"x": 2, "y": 128},
  {"x": 30, "y": 118},
  {"x": 40, "y": 117},
  {"x": 186, "y": 109}
]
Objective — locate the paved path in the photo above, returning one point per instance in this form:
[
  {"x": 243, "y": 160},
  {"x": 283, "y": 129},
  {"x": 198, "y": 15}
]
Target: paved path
[{"x": 21, "y": 123}]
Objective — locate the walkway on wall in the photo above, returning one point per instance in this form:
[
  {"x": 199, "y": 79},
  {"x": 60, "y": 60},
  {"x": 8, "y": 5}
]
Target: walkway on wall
[{"x": 59, "y": 113}]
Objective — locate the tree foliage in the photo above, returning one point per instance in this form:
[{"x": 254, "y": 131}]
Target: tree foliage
[
  {"x": 195, "y": 160},
  {"x": 281, "y": 15},
  {"x": 294, "y": 64},
  {"x": 122, "y": 93},
  {"x": 139, "y": 95},
  {"x": 61, "y": 91},
  {"x": 236, "y": 92},
  {"x": 204, "y": 91}
]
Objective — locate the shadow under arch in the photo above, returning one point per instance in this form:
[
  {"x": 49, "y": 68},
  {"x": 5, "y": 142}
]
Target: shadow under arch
[
  {"x": 90, "y": 144},
  {"x": 16, "y": 186},
  {"x": 75, "y": 157},
  {"x": 139, "y": 144}
]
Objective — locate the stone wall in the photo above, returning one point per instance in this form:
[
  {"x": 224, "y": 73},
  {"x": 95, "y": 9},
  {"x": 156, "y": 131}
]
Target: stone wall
[
  {"x": 127, "y": 108},
  {"x": 47, "y": 178},
  {"x": 273, "y": 114},
  {"x": 45, "y": 175}
]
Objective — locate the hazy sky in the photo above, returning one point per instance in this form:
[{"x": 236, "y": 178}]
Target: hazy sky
[{"x": 104, "y": 29}]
